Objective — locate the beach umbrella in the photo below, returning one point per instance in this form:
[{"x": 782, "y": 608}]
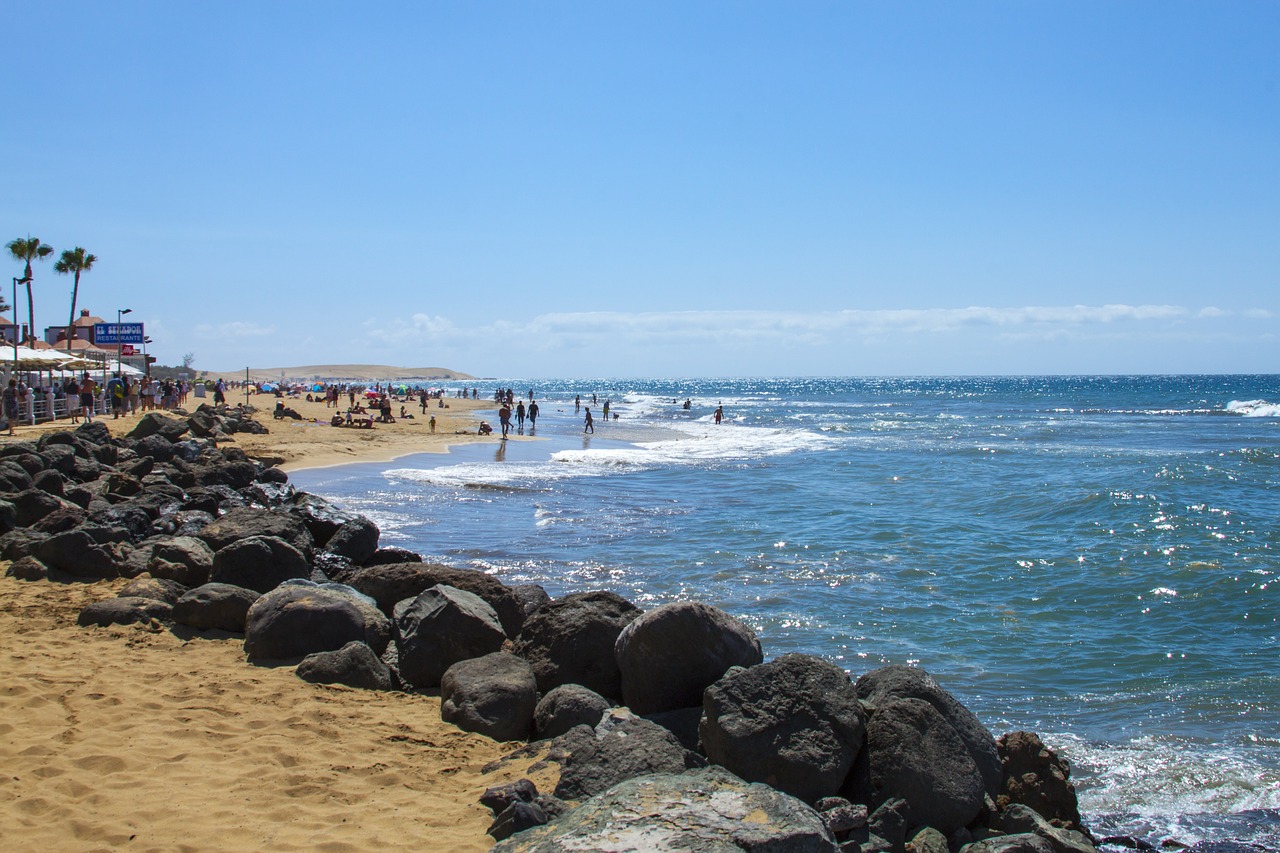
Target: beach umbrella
[
  {"x": 267, "y": 386},
  {"x": 317, "y": 387}
]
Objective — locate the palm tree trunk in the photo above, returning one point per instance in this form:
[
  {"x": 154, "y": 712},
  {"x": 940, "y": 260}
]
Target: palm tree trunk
[
  {"x": 31, "y": 325},
  {"x": 71, "y": 324}
]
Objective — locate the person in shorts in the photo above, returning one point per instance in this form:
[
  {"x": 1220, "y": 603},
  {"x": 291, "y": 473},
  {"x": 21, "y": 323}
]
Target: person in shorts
[{"x": 87, "y": 389}]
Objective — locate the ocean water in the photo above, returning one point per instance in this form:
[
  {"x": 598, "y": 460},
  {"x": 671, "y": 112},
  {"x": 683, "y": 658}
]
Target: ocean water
[{"x": 1096, "y": 559}]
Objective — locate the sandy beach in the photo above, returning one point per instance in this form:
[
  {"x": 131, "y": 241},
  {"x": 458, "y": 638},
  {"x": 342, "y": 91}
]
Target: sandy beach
[{"x": 158, "y": 740}]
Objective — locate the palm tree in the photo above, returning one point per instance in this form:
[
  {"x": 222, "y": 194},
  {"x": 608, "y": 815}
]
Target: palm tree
[
  {"x": 74, "y": 261},
  {"x": 29, "y": 249}
]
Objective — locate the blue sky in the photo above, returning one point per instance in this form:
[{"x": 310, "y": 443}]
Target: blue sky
[{"x": 661, "y": 189}]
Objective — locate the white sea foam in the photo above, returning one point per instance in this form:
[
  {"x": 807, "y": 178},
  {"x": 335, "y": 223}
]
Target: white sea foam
[
  {"x": 1159, "y": 778},
  {"x": 702, "y": 443},
  {"x": 696, "y": 443},
  {"x": 1254, "y": 408}
]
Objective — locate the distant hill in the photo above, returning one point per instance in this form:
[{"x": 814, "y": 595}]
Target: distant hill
[{"x": 342, "y": 373}]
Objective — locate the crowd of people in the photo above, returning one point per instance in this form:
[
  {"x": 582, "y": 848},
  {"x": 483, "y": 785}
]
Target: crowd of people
[{"x": 25, "y": 401}]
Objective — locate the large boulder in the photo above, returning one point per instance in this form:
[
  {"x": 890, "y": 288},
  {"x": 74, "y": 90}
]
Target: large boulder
[
  {"x": 621, "y": 746},
  {"x": 1019, "y": 819},
  {"x": 571, "y": 641},
  {"x": 321, "y": 517},
  {"x": 909, "y": 682},
  {"x": 794, "y": 723},
  {"x": 914, "y": 754},
  {"x": 215, "y": 606},
  {"x": 440, "y": 627},
  {"x": 669, "y": 655},
  {"x": 259, "y": 562},
  {"x": 123, "y": 611},
  {"x": 77, "y": 553},
  {"x": 390, "y": 583},
  {"x": 567, "y": 706},
  {"x": 357, "y": 540},
  {"x": 1035, "y": 776},
  {"x": 160, "y": 589},
  {"x": 708, "y": 810},
  {"x": 353, "y": 665},
  {"x": 295, "y": 620},
  {"x": 492, "y": 695},
  {"x": 185, "y": 559},
  {"x": 243, "y": 522},
  {"x": 31, "y": 505},
  {"x": 154, "y": 423}
]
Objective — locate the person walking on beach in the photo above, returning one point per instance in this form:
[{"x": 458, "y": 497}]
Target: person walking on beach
[
  {"x": 504, "y": 418},
  {"x": 433, "y": 421},
  {"x": 11, "y": 404},
  {"x": 587, "y": 425},
  {"x": 577, "y": 404},
  {"x": 533, "y": 416},
  {"x": 520, "y": 415},
  {"x": 87, "y": 390}
]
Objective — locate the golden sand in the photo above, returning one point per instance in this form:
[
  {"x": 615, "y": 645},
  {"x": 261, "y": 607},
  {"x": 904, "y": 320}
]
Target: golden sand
[{"x": 158, "y": 740}]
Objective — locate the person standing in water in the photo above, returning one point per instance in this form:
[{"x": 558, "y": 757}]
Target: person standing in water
[
  {"x": 533, "y": 416},
  {"x": 719, "y": 414},
  {"x": 587, "y": 425}
]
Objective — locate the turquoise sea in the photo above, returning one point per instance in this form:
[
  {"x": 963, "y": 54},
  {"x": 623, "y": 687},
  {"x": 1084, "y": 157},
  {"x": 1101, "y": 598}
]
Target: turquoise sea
[{"x": 1096, "y": 559}]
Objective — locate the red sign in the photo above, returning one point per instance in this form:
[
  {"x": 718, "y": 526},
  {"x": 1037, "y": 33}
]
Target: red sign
[{"x": 126, "y": 349}]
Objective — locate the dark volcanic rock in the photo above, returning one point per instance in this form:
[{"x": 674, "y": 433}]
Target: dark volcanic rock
[
  {"x": 123, "y": 611},
  {"x": 571, "y": 640},
  {"x": 794, "y": 723},
  {"x": 567, "y": 706},
  {"x": 354, "y": 665},
  {"x": 185, "y": 559},
  {"x": 297, "y": 620},
  {"x": 621, "y": 746},
  {"x": 258, "y": 562},
  {"x": 76, "y": 553},
  {"x": 156, "y": 447},
  {"x": 440, "y": 627},
  {"x": 1035, "y": 776},
  {"x": 155, "y": 588},
  {"x": 31, "y": 505},
  {"x": 215, "y": 606},
  {"x": 243, "y": 522},
  {"x": 492, "y": 695},
  {"x": 8, "y": 516},
  {"x": 62, "y": 519},
  {"x": 51, "y": 482},
  {"x": 917, "y": 756},
  {"x": 154, "y": 423},
  {"x": 708, "y": 810},
  {"x": 531, "y": 597},
  {"x": 27, "y": 568},
  {"x": 907, "y": 682},
  {"x": 357, "y": 540},
  {"x": 392, "y": 554},
  {"x": 321, "y": 517},
  {"x": 390, "y": 583},
  {"x": 669, "y": 655},
  {"x": 19, "y": 542}
]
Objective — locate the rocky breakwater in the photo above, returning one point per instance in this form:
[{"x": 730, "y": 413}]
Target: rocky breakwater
[{"x": 670, "y": 729}]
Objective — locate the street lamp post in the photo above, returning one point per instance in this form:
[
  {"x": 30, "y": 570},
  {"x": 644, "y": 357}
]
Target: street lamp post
[
  {"x": 146, "y": 361},
  {"x": 119, "y": 350}
]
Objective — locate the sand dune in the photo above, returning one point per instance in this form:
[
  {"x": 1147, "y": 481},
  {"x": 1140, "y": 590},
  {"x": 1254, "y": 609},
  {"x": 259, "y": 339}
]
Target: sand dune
[{"x": 129, "y": 737}]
